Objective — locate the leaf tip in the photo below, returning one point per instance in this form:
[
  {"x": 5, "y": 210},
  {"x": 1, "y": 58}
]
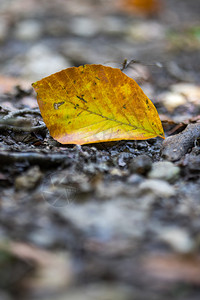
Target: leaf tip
[{"x": 162, "y": 135}]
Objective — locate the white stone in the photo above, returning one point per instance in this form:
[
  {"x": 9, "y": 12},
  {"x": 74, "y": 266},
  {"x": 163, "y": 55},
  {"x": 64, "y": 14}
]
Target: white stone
[
  {"x": 190, "y": 91},
  {"x": 164, "y": 170},
  {"x": 178, "y": 239},
  {"x": 158, "y": 187},
  {"x": 171, "y": 100}
]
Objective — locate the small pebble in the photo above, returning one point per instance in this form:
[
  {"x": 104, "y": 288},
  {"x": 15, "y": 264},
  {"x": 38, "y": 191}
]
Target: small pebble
[
  {"x": 178, "y": 239},
  {"x": 141, "y": 164},
  {"x": 172, "y": 100},
  {"x": 135, "y": 179},
  {"x": 190, "y": 91},
  {"x": 158, "y": 187},
  {"x": 164, "y": 170},
  {"x": 116, "y": 172},
  {"x": 192, "y": 162},
  {"x": 42, "y": 238}
]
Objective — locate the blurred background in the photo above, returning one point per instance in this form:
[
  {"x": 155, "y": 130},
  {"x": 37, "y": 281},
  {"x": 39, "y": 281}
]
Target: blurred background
[{"x": 38, "y": 38}]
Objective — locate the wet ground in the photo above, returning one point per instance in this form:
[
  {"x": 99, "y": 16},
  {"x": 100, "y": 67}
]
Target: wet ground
[{"x": 114, "y": 220}]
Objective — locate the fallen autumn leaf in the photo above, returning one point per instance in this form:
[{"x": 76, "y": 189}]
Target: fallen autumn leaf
[{"x": 94, "y": 103}]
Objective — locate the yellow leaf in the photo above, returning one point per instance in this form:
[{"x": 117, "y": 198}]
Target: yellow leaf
[{"x": 94, "y": 103}]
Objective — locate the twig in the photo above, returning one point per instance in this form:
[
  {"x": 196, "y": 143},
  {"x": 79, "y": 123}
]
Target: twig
[
  {"x": 127, "y": 64},
  {"x": 21, "y": 112},
  {"x": 32, "y": 158},
  {"x": 176, "y": 146},
  {"x": 6, "y": 126}
]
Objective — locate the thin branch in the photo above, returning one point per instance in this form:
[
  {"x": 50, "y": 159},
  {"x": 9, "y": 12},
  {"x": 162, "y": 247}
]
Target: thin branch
[
  {"x": 22, "y": 112},
  {"x": 176, "y": 146},
  {"x": 33, "y": 158},
  {"x": 6, "y": 126}
]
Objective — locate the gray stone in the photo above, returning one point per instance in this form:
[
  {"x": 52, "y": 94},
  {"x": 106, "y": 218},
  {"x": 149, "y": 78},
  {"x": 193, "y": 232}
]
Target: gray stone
[
  {"x": 178, "y": 239},
  {"x": 158, "y": 187},
  {"x": 164, "y": 170},
  {"x": 135, "y": 179},
  {"x": 141, "y": 164}
]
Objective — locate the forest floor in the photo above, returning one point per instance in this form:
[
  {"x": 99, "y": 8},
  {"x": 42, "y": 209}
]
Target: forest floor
[{"x": 116, "y": 220}]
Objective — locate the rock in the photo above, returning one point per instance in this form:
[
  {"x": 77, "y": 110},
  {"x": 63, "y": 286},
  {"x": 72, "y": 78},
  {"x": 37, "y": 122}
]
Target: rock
[
  {"x": 29, "y": 179},
  {"x": 164, "y": 170},
  {"x": 28, "y": 30},
  {"x": 191, "y": 164},
  {"x": 178, "y": 239},
  {"x": 134, "y": 179},
  {"x": 176, "y": 146},
  {"x": 123, "y": 157},
  {"x": 158, "y": 187},
  {"x": 116, "y": 172},
  {"x": 141, "y": 164},
  {"x": 190, "y": 91},
  {"x": 180, "y": 94}
]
